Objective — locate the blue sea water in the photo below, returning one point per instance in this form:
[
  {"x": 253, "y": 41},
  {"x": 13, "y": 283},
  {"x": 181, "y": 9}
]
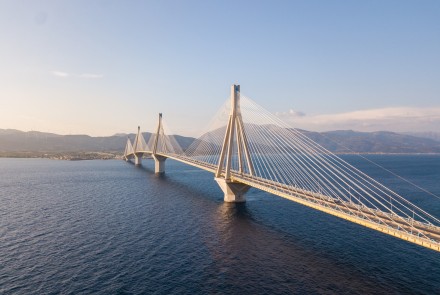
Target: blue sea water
[{"x": 108, "y": 227}]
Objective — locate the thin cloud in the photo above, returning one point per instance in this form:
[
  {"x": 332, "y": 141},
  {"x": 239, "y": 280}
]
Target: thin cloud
[
  {"x": 82, "y": 76},
  {"x": 291, "y": 113},
  {"x": 91, "y": 76},
  {"x": 397, "y": 119},
  {"x": 60, "y": 74}
]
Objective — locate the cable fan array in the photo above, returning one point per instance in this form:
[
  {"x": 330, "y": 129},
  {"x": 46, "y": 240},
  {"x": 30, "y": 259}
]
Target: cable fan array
[
  {"x": 285, "y": 156},
  {"x": 286, "y": 161},
  {"x": 164, "y": 143}
]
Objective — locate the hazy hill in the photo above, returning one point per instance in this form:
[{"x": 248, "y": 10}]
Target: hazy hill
[
  {"x": 14, "y": 140},
  {"x": 337, "y": 141},
  {"x": 373, "y": 142},
  {"x": 431, "y": 135}
]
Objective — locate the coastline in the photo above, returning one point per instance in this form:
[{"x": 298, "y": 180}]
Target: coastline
[
  {"x": 67, "y": 156},
  {"x": 112, "y": 155}
]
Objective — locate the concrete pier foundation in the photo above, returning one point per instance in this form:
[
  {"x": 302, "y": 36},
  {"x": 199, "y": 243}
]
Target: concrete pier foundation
[
  {"x": 234, "y": 191},
  {"x": 159, "y": 164},
  {"x": 138, "y": 159}
]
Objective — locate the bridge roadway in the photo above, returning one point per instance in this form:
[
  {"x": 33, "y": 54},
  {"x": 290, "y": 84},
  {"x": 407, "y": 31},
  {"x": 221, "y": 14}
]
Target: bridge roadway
[{"x": 391, "y": 224}]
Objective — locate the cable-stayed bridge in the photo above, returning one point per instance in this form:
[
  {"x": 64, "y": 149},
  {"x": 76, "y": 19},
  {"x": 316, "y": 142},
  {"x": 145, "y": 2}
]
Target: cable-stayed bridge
[{"x": 245, "y": 146}]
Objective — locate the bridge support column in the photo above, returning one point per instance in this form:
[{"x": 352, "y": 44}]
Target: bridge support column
[
  {"x": 235, "y": 144},
  {"x": 234, "y": 191},
  {"x": 159, "y": 164},
  {"x": 138, "y": 159}
]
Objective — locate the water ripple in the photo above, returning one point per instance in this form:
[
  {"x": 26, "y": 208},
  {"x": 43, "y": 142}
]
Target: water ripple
[{"x": 106, "y": 227}]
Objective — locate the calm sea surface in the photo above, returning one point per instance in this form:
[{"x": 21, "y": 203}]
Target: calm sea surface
[{"x": 108, "y": 227}]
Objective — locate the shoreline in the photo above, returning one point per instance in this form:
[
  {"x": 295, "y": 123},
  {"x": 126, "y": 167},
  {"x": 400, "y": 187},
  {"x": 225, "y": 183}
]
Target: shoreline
[{"x": 67, "y": 156}]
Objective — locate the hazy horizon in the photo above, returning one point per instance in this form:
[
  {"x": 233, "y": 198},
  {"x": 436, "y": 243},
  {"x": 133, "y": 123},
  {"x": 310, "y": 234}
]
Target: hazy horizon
[{"x": 434, "y": 133}]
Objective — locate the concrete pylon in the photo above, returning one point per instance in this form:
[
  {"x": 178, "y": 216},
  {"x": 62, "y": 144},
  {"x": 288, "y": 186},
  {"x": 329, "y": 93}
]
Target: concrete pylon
[
  {"x": 159, "y": 161},
  {"x": 137, "y": 156},
  {"x": 128, "y": 149},
  {"x": 234, "y": 191}
]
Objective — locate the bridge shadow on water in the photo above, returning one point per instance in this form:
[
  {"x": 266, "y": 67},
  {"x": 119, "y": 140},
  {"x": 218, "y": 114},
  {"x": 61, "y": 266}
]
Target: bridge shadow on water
[{"x": 240, "y": 244}]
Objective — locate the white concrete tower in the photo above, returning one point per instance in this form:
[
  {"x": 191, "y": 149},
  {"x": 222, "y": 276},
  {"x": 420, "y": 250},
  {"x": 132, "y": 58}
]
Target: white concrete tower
[
  {"x": 128, "y": 149},
  {"x": 137, "y": 155},
  {"x": 234, "y": 191},
  {"x": 159, "y": 161}
]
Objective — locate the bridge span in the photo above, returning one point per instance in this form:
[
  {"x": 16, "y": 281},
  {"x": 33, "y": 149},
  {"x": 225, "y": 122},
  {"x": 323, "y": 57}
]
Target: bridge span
[{"x": 253, "y": 148}]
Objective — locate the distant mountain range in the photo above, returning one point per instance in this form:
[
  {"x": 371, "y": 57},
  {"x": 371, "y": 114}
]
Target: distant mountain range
[
  {"x": 12, "y": 140},
  {"x": 346, "y": 141},
  {"x": 342, "y": 141},
  {"x": 431, "y": 135}
]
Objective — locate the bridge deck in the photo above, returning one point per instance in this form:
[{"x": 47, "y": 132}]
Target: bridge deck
[{"x": 392, "y": 224}]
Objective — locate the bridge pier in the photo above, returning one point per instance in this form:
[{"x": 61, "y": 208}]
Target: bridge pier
[
  {"x": 159, "y": 164},
  {"x": 234, "y": 191},
  {"x": 138, "y": 159}
]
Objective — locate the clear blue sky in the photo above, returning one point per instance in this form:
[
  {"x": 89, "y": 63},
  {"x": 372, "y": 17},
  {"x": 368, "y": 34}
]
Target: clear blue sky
[{"x": 102, "y": 67}]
